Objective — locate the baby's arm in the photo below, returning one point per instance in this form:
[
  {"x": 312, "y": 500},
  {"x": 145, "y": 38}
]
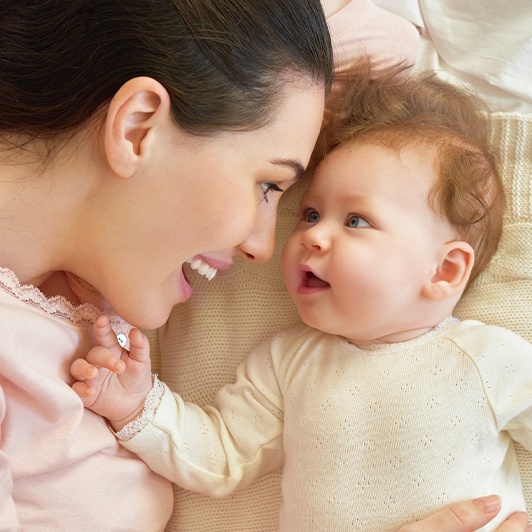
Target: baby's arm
[
  {"x": 503, "y": 361},
  {"x": 222, "y": 447},
  {"x": 211, "y": 450},
  {"x": 112, "y": 381}
]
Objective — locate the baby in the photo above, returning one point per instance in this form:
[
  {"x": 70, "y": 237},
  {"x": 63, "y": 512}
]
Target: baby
[{"x": 382, "y": 407}]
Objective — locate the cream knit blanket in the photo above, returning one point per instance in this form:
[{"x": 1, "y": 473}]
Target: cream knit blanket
[{"x": 206, "y": 338}]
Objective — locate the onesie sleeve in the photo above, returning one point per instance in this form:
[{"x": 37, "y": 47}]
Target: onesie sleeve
[
  {"x": 361, "y": 29},
  {"x": 222, "y": 447},
  {"x": 8, "y": 513},
  {"x": 504, "y": 362}
]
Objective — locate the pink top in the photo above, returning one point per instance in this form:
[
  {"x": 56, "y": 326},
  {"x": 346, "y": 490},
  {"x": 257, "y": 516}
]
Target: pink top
[{"x": 66, "y": 469}]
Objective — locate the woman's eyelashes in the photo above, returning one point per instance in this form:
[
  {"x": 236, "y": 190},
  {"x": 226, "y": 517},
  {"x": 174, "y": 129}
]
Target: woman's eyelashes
[{"x": 268, "y": 187}]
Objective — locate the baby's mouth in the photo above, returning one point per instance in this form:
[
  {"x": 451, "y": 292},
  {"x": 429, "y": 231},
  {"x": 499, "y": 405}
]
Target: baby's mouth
[{"x": 311, "y": 280}]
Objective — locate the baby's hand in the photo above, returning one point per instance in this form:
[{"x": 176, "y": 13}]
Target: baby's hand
[{"x": 112, "y": 381}]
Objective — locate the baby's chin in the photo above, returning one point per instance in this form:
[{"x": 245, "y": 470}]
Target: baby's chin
[{"x": 316, "y": 322}]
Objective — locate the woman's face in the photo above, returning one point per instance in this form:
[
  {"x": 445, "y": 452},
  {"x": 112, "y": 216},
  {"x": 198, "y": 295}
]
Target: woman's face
[{"x": 205, "y": 200}]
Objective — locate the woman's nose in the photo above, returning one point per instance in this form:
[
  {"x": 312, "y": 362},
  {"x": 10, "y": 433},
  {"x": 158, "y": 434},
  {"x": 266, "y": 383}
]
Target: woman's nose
[{"x": 259, "y": 245}]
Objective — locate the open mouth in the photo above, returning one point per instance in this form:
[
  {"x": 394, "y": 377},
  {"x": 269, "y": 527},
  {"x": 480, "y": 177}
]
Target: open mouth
[
  {"x": 310, "y": 280},
  {"x": 185, "y": 287},
  {"x": 201, "y": 267}
]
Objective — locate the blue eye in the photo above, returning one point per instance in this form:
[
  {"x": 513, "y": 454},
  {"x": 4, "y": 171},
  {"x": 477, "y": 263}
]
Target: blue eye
[
  {"x": 311, "y": 216},
  {"x": 268, "y": 187},
  {"x": 356, "y": 221}
]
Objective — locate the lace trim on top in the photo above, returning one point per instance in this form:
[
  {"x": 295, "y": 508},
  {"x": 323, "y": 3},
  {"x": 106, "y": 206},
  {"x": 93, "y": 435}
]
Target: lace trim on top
[
  {"x": 56, "y": 306},
  {"x": 400, "y": 346}
]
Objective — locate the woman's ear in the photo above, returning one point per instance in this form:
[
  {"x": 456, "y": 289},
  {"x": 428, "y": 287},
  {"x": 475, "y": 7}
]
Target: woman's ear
[
  {"x": 452, "y": 272},
  {"x": 138, "y": 107}
]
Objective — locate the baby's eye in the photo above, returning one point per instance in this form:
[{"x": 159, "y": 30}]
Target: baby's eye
[
  {"x": 311, "y": 216},
  {"x": 357, "y": 221},
  {"x": 268, "y": 187}
]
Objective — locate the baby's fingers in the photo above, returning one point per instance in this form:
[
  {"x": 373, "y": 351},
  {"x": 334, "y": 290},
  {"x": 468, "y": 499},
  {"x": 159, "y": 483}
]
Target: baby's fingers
[
  {"x": 139, "y": 347},
  {"x": 83, "y": 390},
  {"x": 101, "y": 357},
  {"x": 81, "y": 370},
  {"x": 105, "y": 336}
]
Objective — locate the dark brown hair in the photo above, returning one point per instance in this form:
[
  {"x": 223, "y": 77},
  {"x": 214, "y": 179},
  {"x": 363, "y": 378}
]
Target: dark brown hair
[
  {"x": 423, "y": 109},
  {"x": 223, "y": 62}
]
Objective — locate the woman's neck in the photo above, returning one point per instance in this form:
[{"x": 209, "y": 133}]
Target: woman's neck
[{"x": 38, "y": 205}]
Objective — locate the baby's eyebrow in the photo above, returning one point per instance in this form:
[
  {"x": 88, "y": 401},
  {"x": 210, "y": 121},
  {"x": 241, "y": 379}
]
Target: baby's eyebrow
[{"x": 296, "y": 166}]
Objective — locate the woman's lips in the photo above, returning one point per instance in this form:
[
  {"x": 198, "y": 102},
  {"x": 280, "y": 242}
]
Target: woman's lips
[
  {"x": 184, "y": 286},
  {"x": 208, "y": 266},
  {"x": 205, "y": 266}
]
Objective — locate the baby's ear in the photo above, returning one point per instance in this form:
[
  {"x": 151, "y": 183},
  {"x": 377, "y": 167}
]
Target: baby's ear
[
  {"x": 452, "y": 272},
  {"x": 133, "y": 115}
]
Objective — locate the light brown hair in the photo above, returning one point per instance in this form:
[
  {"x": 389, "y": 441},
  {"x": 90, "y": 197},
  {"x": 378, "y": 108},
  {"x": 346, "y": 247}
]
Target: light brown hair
[{"x": 423, "y": 109}]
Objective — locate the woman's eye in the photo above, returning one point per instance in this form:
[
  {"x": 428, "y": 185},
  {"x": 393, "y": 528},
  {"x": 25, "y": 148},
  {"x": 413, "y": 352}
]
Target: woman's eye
[
  {"x": 268, "y": 187},
  {"x": 311, "y": 216},
  {"x": 357, "y": 221}
]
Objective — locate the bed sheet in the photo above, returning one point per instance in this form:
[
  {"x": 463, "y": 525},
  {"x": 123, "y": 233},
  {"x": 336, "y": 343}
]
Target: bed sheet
[{"x": 486, "y": 44}]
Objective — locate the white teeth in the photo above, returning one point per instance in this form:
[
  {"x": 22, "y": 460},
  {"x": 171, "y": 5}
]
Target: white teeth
[
  {"x": 202, "y": 268},
  {"x": 195, "y": 263}
]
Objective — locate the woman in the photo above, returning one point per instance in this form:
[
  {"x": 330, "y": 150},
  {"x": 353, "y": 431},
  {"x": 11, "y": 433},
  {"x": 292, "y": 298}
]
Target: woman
[{"x": 135, "y": 135}]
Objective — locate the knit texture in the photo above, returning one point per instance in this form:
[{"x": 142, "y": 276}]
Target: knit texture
[
  {"x": 502, "y": 294},
  {"x": 205, "y": 339},
  {"x": 371, "y": 438}
]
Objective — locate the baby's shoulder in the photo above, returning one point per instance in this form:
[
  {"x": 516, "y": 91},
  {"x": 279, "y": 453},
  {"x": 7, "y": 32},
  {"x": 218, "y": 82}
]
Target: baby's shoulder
[
  {"x": 295, "y": 335},
  {"x": 483, "y": 343}
]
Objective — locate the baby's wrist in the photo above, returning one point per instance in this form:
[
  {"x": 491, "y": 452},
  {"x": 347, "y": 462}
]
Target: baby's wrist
[
  {"x": 119, "y": 424},
  {"x": 128, "y": 427}
]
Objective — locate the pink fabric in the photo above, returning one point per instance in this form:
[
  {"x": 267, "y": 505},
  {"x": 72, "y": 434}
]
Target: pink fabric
[
  {"x": 361, "y": 28},
  {"x": 68, "y": 471}
]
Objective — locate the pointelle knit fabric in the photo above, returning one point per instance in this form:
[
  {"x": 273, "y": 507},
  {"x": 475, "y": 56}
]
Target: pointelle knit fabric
[{"x": 370, "y": 438}]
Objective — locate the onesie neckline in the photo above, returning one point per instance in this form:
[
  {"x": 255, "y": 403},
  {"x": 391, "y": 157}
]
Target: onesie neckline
[{"x": 390, "y": 348}]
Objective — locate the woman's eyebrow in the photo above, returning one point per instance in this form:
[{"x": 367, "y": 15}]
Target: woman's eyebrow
[{"x": 296, "y": 166}]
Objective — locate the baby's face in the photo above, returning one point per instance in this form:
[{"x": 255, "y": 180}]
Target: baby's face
[{"x": 366, "y": 243}]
